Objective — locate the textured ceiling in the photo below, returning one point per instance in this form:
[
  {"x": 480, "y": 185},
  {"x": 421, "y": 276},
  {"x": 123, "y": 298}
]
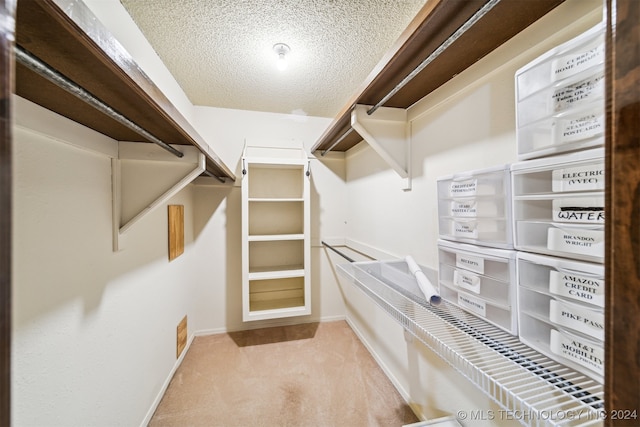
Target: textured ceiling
[{"x": 220, "y": 51}]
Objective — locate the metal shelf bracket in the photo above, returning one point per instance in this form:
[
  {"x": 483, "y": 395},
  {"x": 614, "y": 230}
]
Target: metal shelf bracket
[
  {"x": 143, "y": 177},
  {"x": 387, "y": 131}
]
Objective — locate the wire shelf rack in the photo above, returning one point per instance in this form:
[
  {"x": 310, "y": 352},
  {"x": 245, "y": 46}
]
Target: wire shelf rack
[{"x": 531, "y": 388}]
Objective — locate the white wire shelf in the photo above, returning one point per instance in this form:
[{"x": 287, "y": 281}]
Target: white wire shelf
[{"x": 536, "y": 390}]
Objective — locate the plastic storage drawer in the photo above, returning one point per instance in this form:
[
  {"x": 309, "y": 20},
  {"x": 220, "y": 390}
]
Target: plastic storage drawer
[
  {"x": 562, "y": 313},
  {"x": 579, "y": 90},
  {"x": 560, "y": 98},
  {"x": 474, "y": 207},
  {"x": 481, "y": 281},
  {"x": 580, "y": 129},
  {"x": 575, "y": 281},
  {"x": 575, "y": 351},
  {"x": 558, "y": 205},
  {"x": 561, "y": 310}
]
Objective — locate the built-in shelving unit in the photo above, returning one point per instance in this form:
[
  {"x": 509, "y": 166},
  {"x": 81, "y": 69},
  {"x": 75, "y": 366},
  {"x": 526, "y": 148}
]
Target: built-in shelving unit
[
  {"x": 275, "y": 233},
  {"x": 430, "y": 30}
]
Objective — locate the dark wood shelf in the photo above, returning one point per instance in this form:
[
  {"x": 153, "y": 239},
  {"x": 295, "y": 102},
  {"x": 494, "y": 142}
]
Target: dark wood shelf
[
  {"x": 77, "y": 45},
  {"x": 434, "y": 24}
]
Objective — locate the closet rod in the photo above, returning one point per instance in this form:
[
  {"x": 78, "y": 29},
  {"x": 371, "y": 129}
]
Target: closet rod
[
  {"x": 459, "y": 32},
  {"x": 338, "y": 141},
  {"x": 221, "y": 179},
  {"x": 338, "y": 252},
  {"x": 35, "y": 64}
]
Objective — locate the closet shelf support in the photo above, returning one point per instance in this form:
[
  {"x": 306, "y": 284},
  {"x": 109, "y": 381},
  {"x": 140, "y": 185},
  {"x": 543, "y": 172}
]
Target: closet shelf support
[
  {"x": 388, "y": 133},
  {"x": 138, "y": 187}
]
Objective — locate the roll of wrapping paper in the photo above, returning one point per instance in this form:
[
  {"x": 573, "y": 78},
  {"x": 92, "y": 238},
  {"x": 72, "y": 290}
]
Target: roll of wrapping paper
[{"x": 424, "y": 284}]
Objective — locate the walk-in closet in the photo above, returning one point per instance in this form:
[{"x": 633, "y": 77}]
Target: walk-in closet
[{"x": 313, "y": 212}]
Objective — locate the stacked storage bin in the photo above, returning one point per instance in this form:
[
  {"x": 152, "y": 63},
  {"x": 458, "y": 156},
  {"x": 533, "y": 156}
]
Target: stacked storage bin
[
  {"x": 561, "y": 305},
  {"x": 559, "y": 98},
  {"x": 477, "y": 268},
  {"x": 558, "y": 203},
  {"x": 480, "y": 280},
  {"x": 474, "y": 207}
]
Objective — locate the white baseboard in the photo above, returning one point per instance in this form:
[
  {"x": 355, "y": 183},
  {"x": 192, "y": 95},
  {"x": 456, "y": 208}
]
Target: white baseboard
[
  {"x": 165, "y": 385},
  {"x": 247, "y": 326},
  {"x": 205, "y": 332},
  {"x": 403, "y": 393}
]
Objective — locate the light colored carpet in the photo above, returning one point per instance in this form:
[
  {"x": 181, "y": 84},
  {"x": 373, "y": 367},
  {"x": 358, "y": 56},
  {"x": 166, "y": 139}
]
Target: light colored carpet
[{"x": 316, "y": 374}]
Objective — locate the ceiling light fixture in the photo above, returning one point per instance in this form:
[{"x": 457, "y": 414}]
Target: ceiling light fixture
[{"x": 281, "y": 50}]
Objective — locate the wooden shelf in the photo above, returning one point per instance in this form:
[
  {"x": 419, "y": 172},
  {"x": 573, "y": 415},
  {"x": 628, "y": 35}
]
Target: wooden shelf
[
  {"x": 77, "y": 45},
  {"x": 435, "y": 22}
]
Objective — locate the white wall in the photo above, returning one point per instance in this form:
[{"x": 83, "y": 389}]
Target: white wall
[
  {"x": 94, "y": 336},
  {"x": 94, "y": 332},
  {"x": 467, "y": 124}
]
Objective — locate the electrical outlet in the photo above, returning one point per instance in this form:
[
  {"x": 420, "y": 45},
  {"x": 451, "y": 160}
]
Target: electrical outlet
[{"x": 181, "y": 336}]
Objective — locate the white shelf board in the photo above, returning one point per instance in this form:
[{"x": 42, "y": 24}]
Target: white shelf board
[
  {"x": 285, "y": 307},
  {"x": 279, "y": 272},
  {"x": 551, "y": 196},
  {"x": 274, "y": 237},
  {"x": 276, "y": 199}
]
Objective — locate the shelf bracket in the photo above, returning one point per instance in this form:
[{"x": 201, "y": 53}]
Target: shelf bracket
[
  {"x": 143, "y": 177},
  {"x": 387, "y": 131}
]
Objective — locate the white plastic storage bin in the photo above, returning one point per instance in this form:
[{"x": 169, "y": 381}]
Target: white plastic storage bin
[
  {"x": 575, "y": 351},
  {"x": 560, "y": 98},
  {"x": 575, "y": 281},
  {"x": 561, "y": 310},
  {"x": 562, "y": 313},
  {"x": 480, "y": 280},
  {"x": 558, "y": 205},
  {"x": 474, "y": 207}
]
